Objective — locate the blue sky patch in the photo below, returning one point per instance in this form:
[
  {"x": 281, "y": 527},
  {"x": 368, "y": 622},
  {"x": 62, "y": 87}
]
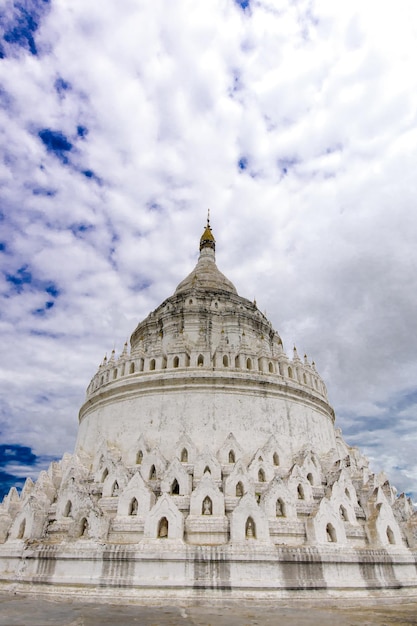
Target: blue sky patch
[
  {"x": 42, "y": 310},
  {"x": 244, "y": 4},
  {"x": 56, "y": 143},
  {"x": 22, "y": 277},
  {"x": 21, "y": 24},
  {"x": 82, "y": 131},
  {"x": 242, "y": 163},
  {"x": 52, "y": 290},
  {"x": 90, "y": 174},
  {"x": 22, "y": 31},
  {"x": 61, "y": 86},
  {"x": 79, "y": 230},
  {"x": 15, "y": 455},
  {"x": 7, "y": 481}
]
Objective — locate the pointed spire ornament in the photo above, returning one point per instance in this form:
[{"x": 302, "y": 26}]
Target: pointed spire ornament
[{"x": 207, "y": 239}]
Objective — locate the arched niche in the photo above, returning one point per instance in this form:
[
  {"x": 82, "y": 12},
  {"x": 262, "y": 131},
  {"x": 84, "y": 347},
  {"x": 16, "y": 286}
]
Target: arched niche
[
  {"x": 280, "y": 508},
  {"x": 331, "y": 533},
  {"x": 207, "y": 506},
  {"x": 250, "y": 528},
  {"x": 68, "y": 509},
  {"x": 133, "y": 507},
  {"x": 163, "y": 528}
]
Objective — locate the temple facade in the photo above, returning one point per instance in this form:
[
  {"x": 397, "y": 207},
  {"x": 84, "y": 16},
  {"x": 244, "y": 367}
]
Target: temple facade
[{"x": 208, "y": 463}]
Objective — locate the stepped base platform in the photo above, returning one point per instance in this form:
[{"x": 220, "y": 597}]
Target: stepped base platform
[{"x": 171, "y": 571}]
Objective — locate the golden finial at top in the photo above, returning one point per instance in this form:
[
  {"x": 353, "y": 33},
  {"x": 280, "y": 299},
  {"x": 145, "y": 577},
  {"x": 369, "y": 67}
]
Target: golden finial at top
[{"x": 207, "y": 240}]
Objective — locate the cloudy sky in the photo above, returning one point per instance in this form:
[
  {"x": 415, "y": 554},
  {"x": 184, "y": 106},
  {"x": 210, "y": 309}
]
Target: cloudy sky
[{"x": 122, "y": 122}]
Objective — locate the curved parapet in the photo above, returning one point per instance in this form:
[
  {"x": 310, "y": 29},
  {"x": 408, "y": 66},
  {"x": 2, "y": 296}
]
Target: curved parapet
[{"x": 205, "y": 331}]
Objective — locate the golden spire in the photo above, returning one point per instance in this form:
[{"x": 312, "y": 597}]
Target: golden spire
[{"x": 207, "y": 240}]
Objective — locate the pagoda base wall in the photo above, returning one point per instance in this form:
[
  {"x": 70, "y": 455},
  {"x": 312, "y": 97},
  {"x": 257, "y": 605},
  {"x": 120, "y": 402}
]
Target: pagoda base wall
[{"x": 168, "y": 569}]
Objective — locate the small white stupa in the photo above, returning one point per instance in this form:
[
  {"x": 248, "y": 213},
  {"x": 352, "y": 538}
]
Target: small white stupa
[{"x": 207, "y": 462}]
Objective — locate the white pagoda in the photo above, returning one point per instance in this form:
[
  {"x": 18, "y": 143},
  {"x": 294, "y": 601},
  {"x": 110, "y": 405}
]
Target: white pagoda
[{"x": 208, "y": 464}]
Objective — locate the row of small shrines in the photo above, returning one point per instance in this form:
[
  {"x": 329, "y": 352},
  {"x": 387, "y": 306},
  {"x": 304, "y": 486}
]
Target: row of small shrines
[
  {"x": 210, "y": 505},
  {"x": 297, "y": 371}
]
